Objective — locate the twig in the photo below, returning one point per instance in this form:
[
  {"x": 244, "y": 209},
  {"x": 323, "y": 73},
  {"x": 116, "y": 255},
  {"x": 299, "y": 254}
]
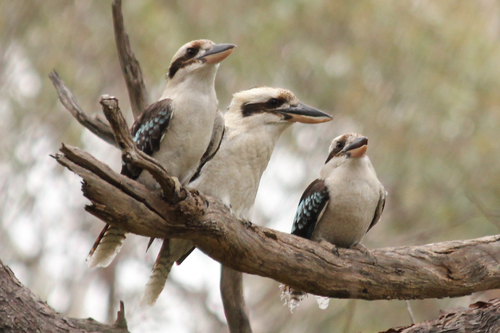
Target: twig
[
  {"x": 95, "y": 125},
  {"x": 408, "y": 307},
  {"x": 131, "y": 69},
  {"x": 171, "y": 187},
  {"x": 121, "y": 322}
]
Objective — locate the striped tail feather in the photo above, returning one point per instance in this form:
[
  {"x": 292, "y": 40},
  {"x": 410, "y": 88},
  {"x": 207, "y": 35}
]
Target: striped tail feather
[
  {"x": 291, "y": 296},
  {"x": 106, "y": 246},
  {"x": 171, "y": 250}
]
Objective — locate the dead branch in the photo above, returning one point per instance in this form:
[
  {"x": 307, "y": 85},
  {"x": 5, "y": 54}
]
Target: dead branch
[
  {"x": 447, "y": 269},
  {"x": 22, "y": 311},
  {"x": 231, "y": 289},
  {"x": 131, "y": 69},
  {"x": 480, "y": 317},
  {"x": 95, "y": 125}
]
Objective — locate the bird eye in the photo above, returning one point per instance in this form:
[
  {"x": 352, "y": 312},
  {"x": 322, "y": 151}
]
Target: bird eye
[
  {"x": 191, "y": 52},
  {"x": 340, "y": 144},
  {"x": 273, "y": 102}
]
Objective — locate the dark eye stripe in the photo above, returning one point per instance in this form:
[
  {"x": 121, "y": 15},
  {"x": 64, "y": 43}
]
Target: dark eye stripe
[
  {"x": 183, "y": 61},
  {"x": 271, "y": 104},
  {"x": 340, "y": 145}
]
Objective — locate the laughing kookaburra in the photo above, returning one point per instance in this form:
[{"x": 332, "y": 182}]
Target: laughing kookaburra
[
  {"x": 177, "y": 130},
  {"x": 254, "y": 122},
  {"x": 343, "y": 204}
]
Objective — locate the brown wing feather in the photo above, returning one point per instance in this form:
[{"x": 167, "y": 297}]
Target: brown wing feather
[
  {"x": 379, "y": 209},
  {"x": 148, "y": 130}
]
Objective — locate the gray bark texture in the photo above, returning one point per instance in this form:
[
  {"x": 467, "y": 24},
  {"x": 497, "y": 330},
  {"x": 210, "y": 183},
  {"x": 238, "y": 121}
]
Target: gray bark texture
[{"x": 22, "y": 311}]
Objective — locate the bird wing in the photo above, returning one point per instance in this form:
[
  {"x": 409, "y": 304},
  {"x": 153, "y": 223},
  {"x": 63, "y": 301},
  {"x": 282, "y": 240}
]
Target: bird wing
[
  {"x": 379, "y": 209},
  {"x": 213, "y": 147},
  {"x": 148, "y": 131},
  {"x": 311, "y": 207}
]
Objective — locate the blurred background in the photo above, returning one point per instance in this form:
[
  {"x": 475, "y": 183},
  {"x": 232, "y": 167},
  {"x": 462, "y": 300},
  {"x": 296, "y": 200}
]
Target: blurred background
[{"x": 421, "y": 79}]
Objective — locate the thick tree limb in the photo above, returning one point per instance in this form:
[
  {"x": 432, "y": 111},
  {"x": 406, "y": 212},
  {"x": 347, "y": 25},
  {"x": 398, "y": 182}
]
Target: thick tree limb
[
  {"x": 447, "y": 269},
  {"x": 95, "y": 125},
  {"x": 480, "y": 317},
  {"x": 22, "y": 311},
  {"x": 131, "y": 69}
]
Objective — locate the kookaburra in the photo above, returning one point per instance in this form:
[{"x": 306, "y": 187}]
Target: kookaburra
[
  {"x": 343, "y": 204},
  {"x": 177, "y": 130},
  {"x": 254, "y": 122}
]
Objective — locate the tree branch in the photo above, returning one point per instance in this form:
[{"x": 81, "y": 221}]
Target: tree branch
[
  {"x": 231, "y": 289},
  {"x": 478, "y": 318},
  {"x": 131, "y": 69},
  {"x": 22, "y": 311},
  {"x": 95, "y": 125},
  {"x": 447, "y": 269}
]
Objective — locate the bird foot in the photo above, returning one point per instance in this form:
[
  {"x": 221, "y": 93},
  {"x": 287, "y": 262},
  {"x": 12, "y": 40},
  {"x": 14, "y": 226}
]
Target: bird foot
[
  {"x": 335, "y": 251},
  {"x": 326, "y": 244},
  {"x": 366, "y": 252}
]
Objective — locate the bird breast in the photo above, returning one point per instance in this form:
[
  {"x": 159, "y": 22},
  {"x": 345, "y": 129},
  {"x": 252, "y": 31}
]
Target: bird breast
[
  {"x": 354, "y": 194},
  {"x": 186, "y": 138}
]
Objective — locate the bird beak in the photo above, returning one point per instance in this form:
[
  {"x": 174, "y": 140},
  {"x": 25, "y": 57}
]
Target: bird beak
[
  {"x": 217, "y": 53},
  {"x": 357, "y": 148},
  {"x": 305, "y": 114}
]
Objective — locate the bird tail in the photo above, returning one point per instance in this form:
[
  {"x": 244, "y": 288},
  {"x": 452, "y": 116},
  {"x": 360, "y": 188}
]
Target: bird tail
[
  {"x": 171, "y": 251},
  {"x": 322, "y": 301},
  {"x": 106, "y": 246},
  {"x": 291, "y": 296}
]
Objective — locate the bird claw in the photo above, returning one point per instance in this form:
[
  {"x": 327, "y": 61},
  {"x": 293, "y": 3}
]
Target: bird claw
[
  {"x": 335, "y": 251},
  {"x": 366, "y": 252}
]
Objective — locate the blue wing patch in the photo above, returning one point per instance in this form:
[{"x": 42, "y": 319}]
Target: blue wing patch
[
  {"x": 147, "y": 131},
  {"x": 311, "y": 204}
]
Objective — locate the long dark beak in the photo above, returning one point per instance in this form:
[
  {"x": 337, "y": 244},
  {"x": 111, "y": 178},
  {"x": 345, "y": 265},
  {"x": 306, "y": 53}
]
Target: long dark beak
[
  {"x": 305, "y": 114},
  {"x": 357, "y": 148},
  {"x": 217, "y": 53}
]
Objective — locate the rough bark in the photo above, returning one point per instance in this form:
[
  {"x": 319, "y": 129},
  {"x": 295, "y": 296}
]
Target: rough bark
[
  {"x": 22, "y": 311},
  {"x": 480, "y": 317},
  {"x": 447, "y": 269}
]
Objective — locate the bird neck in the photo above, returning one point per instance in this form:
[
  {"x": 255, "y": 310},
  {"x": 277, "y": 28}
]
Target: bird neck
[
  {"x": 343, "y": 164},
  {"x": 201, "y": 81}
]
